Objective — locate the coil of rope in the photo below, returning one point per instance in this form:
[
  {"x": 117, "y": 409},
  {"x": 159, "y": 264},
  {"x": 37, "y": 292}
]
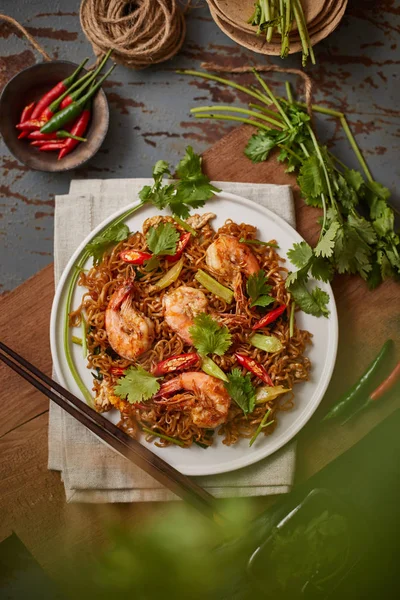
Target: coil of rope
[{"x": 141, "y": 32}]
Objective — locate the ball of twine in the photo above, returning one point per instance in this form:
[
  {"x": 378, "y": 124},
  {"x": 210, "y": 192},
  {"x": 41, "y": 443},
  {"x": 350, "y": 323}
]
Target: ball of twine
[{"x": 141, "y": 32}]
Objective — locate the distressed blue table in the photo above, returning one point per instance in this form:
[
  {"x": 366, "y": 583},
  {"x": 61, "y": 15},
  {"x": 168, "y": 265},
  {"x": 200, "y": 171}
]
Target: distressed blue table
[{"x": 356, "y": 72}]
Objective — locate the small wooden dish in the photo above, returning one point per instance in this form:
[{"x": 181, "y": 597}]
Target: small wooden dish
[{"x": 28, "y": 86}]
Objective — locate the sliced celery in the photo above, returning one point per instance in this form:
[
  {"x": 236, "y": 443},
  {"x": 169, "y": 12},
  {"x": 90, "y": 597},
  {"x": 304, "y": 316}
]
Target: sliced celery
[
  {"x": 268, "y": 343},
  {"x": 267, "y": 393},
  {"x": 170, "y": 276},
  {"x": 211, "y": 368},
  {"x": 213, "y": 286}
]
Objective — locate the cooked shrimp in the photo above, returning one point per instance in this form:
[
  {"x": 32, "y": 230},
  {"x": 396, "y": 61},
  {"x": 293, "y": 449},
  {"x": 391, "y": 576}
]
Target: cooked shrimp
[
  {"x": 210, "y": 402},
  {"x": 181, "y": 306},
  {"x": 129, "y": 332},
  {"x": 227, "y": 256}
]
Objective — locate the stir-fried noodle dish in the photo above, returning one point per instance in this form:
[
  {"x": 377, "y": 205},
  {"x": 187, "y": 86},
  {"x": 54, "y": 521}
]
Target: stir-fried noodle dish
[{"x": 191, "y": 333}]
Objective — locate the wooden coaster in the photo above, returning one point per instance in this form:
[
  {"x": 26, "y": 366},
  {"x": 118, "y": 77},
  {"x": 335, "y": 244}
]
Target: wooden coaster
[
  {"x": 237, "y": 12},
  {"x": 260, "y": 45}
]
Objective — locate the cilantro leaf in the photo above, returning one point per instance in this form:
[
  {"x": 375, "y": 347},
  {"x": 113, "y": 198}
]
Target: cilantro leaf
[
  {"x": 163, "y": 239},
  {"x": 322, "y": 269},
  {"x": 208, "y": 336},
  {"x": 104, "y": 240},
  {"x": 260, "y": 144},
  {"x": 136, "y": 385},
  {"x": 326, "y": 244},
  {"x": 363, "y": 228},
  {"x": 351, "y": 253},
  {"x": 263, "y": 301},
  {"x": 241, "y": 390},
  {"x": 191, "y": 190},
  {"x": 353, "y": 178},
  {"x": 311, "y": 179},
  {"x": 258, "y": 289},
  {"x": 300, "y": 255},
  {"x": 312, "y": 302}
]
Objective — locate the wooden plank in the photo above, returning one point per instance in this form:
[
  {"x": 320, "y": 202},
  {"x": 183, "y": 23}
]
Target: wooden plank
[{"x": 24, "y": 325}]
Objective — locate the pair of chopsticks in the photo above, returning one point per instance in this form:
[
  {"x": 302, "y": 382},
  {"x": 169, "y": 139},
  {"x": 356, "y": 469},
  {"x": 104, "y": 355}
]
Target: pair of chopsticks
[{"x": 130, "y": 448}]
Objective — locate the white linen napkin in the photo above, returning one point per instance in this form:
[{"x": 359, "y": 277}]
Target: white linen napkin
[{"x": 92, "y": 471}]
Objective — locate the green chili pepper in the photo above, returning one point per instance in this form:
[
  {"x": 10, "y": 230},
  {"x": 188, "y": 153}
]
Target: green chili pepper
[
  {"x": 360, "y": 386},
  {"x": 74, "y": 109}
]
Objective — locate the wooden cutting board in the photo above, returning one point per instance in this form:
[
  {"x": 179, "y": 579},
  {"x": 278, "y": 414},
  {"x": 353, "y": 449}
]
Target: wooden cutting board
[{"x": 32, "y": 501}]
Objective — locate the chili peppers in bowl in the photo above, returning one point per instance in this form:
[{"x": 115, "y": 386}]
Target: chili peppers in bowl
[{"x": 67, "y": 146}]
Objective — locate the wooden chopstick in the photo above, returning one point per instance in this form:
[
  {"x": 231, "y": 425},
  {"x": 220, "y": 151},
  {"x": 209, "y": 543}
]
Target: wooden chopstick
[{"x": 133, "y": 450}]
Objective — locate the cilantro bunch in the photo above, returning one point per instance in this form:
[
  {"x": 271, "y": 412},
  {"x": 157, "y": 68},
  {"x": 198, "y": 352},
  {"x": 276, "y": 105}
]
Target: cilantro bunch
[
  {"x": 357, "y": 232},
  {"x": 191, "y": 190}
]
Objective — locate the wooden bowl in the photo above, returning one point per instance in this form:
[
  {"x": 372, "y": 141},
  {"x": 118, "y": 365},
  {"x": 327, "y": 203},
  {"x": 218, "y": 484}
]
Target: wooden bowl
[{"x": 28, "y": 86}]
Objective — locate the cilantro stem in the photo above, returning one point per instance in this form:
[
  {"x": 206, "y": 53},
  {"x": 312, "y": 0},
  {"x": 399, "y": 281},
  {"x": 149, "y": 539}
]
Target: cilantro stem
[
  {"x": 355, "y": 147},
  {"x": 185, "y": 225},
  {"x": 291, "y": 320},
  {"x": 163, "y": 437},
  {"x": 272, "y": 113},
  {"x": 76, "y": 340},
  {"x": 272, "y": 98},
  {"x": 229, "y": 82},
  {"x": 290, "y": 151},
  {"x": 261, "y": 426},
  {"x": 323, "y": 165},
  {"x": 245, "y": 111},
  {"x": 289, "y": 92},
  {"x": 303, "y": 32},
  {"x": 232, "y": 118}
]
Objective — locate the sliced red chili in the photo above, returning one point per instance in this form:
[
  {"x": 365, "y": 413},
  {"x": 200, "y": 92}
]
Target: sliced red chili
[
  {"x": 179, "y": 362},
  {"x": 134, "y": 257},
  {"x": 254, "y": 367},
  {"x": 117, "y": 371},
  {"x": 181, "y": 245},
  {"x": 270, "y": 317},
  {"x": 31, "y": 125}
]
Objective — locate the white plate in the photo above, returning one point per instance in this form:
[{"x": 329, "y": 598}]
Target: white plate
[{"x": 218, "y": 458}]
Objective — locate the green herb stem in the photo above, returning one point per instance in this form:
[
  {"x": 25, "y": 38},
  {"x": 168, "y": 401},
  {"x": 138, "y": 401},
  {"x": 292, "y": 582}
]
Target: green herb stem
[
  {"x": 185, "y": 225},
  {"x": 272, "y": 98},
  {"x": 291, "y": 320},
  {"x": 232, "y": 118},
  {"x": 245, "y": 111},
  {"x": 229, "y": 82},
  {"x": 163, "y": 437},
  {"x": 261, "y": 426},
  {"x": 271, "y": 113},
  {"x": 355, "y": 147},
  {"x": 289, "y": 92},
  {"x": 76, "y": 340}
]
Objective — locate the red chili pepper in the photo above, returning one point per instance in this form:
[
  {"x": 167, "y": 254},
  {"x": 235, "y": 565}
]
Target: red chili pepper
[
  {"x": 270, "y": 317},
  {"x": 31, "y": 125},
  {"x": 387, "y": 384},
  {"x": 118, "y": 371},
  {"x": 39, "y": 143},
  {"x": 179, "y": 362},
  {"x": 37, "y": 135},
  {"x": 78, "y": 128},
  {"x": 25, "y": 116},
  {"x": 49, "y": 146},
  {"x": 134, "y": 257},
  {"x": 254, "y": 367},
  {"x": 181, "y": 245},
  {"x": 56, "y": 91}
]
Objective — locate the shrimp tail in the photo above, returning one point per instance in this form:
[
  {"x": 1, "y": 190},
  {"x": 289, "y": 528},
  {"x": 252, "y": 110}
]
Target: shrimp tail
[
  {"x": 122, "y": 294},
  {"x": 169, "y": 387}
]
